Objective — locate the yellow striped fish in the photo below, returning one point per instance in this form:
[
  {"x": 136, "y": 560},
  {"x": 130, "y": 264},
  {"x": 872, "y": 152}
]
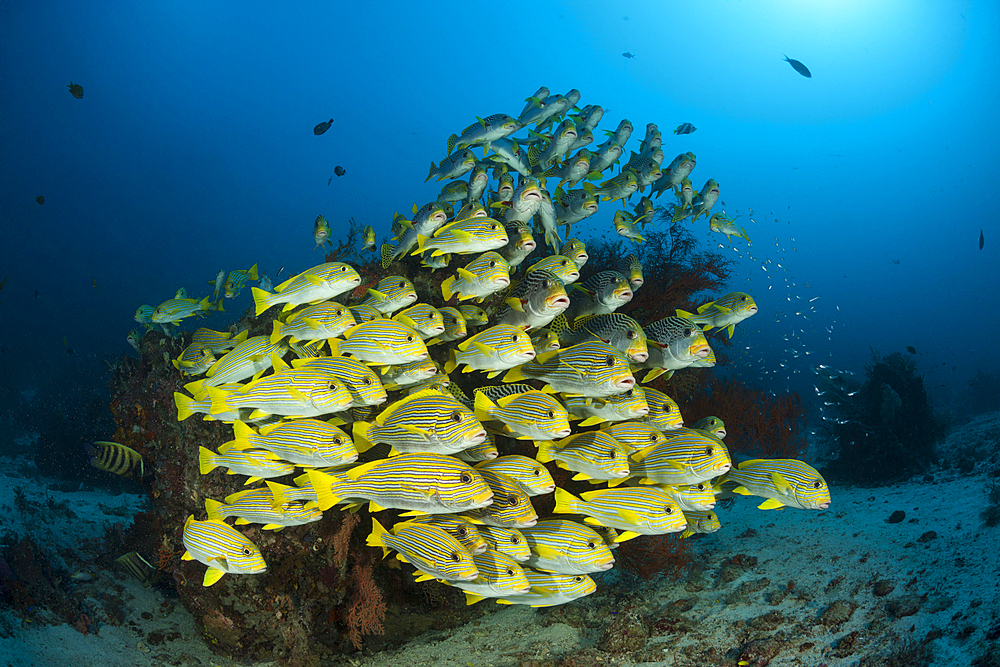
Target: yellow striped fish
[
  {"x": 544, "y": 341},
  {"x": 549, "y": 589},
  {"x": 427, "y": 421},
  {"x": 576, "y": 250},
  {"x": 455, "y": 327},
  {"x": 664, "y": 413},
  {"x": 221, "y": 548},
  {"x": 324, "y": 320},
  {"x": 313, "y": 348},
  {"x": 499, "y": 576},
  {"x": 564, "y": 267},
  {"x": 300, "y": 392},
  {"x": 524, "y": 412},
  {"x": 506, "y": 540},
  {"x": 711, "y": 425},
  {"x": 255, "y": 506},
  {"x": 236, "y": 279},
  {"x": 361, "y": 381},
  {"x": 634, "y": 435},
  {"x": 530, "y": 475},
  {"x": 644, "y": 510},
  {"x": 458, "y": 527},
  {"x": 464, "y": 237},
  {"x": 688, "y": 457},
  {"x": 380, "y": 342},
  {"x": 592, "y": 369},
  {"x": 390, "y": 294},
  {"x": 628, "y": 405},
  {"x": 423, "y": 319},
  {"x": 257, "y": 464},
  {"x": 117, "y": 459},
  {"x": 173, "y": 311},
  {"x": 430, "y": 549},
  {"x": 216, "y": 341},
  {"x": 364, "y": 312},
  {"x": 194, "y": 360},
  {"x": 421, "y": 483},
  {"x": 304, "y": 442},
  {"x": 784, "y": 482},
  {"x": 187, "y": 406},
  {"x": 319, "y": 283},
  {"x": 511, "y": 505},
  {"x": 404, "y": 375},
  {"x": 725, "y": 312},
  {"x": 249, "y": 358},
  {"x": 701, "y": 522},
  {"x": 494, "y": 350},
  {"x": 481, "y": 277},
  {"x": 566, "y": 547},
  {"x": 593, "y": 455},
  {"x": 691, "y": 497},
  {"x": 474, "y": 315}
]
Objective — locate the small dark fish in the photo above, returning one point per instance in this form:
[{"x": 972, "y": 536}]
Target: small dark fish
[
  {"x": 685, "y": 128},
  {"x": 95, "y": 282},
  {"x": 330, "y": 180},
  {"x": 76, "y": 90},
  {"x": 895, "y": 261},
  {"x": 69, "y": 350},
  {"x": 799, "y": 67},
  {"x": 139, "y": 568},
  {"x": 322, "y": 127},
  {"x": 36, "y": 294},
  {"x": 911, "y": 349},
  {"x": 40, "y": 199},
  {"x": 279, "y": 272},
  {"x": 118, "y": 459},
  {"x": 982, "y": 241},
  {"x": 628, "y": 56},
  {"x": 339, "y": 171}
]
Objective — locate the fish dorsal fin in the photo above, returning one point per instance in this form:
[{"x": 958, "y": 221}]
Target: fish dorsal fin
[{"x": 357, "y": 471}]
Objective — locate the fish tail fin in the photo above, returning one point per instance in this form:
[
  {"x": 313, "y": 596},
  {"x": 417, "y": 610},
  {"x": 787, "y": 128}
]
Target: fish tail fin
[
  {"x": 323, "y": 484},
  {"x": 218, "y": 398},
  {"x": 214, "y": 509},
  {"x": 184, "y": 406},
  {"x": 482, "y": 406},
  {"x": 566, "y": 502},
  {"x": 559, "y": 324},
  {"x": 276, "y": 328},
  {"x": 261, "y": 299},
  {"x": 743, "y": 233},
  {"x": 361, "y": 434},
  {"x": 446, "y": 288},
  {"x": 386, "y": 252},
  {"x": 544, "y": 450},
  {"x": 377, "y": 537},
  {"x": 252, "y": 273},
  {"x": 451, "y": 364},
  {"x": 431, "y": 172},
  {"x": 206, "y": 460},
  {"x": 452, "y": 140},
  {"x": 334, "y": 344}
]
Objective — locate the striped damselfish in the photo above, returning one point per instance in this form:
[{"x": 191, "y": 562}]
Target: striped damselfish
[
  {"x": 314, "y": 285},
  {"x": 594, "y": 368},
  {"x": 637, "y": 510},
  {"x": 784, "y": 482},
  {"x": 566, "y": 547},
  {"x": 304, "y": 442},
  {"x": 222, "y": 548},
  {"x": 380, "y": 342},
  {"x": 257, "y": 506},
  {"x": 428, "y": 421},
  {"x": 430, "y": 549}
]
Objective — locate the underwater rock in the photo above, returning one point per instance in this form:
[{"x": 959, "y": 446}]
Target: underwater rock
[
  {"x": 882, "y": 587},
  {"x": 626, "y": 633},
  {"x": 927, "y": 537},
  {"x": 896, "y": 517},
  {"x": 838, "y": 612},
  {"x": 907, "y": 605}
]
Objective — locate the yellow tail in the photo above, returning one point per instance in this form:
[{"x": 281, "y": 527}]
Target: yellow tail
[
  {"x": 361, "y": 441},
  {"x": 184, "y": 406},
  {"x": 206, "y": 460},
  {"x": 214, "y": 509},
  {"x": 261, "y": 299}
]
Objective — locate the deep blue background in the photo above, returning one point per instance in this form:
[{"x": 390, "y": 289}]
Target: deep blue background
[{"x": 192, "y": 150}]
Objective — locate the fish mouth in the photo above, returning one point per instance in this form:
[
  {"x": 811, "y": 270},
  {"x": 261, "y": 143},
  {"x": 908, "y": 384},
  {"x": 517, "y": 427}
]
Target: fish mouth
[
  {"x": 477, "y": 437},
  {"x": 639, "y": 356},
  {"x": 620, "y": 473},
  {"x": 502, "y": 282},
  {"x": 527, "y": 245},
  {"x": 527, "y": 523},
  {"x": 560, "y": 301},
  {"x": 603, "y": 567},
  {"x": 563, "y": 432},
  {"x": 624, "y": 295},
  {"x": 823, "y": 506},
  {"x": 640, "y": 412},
  {"x": 573, "y": 276},
  {"x": 723, "y": 468},
  {"x": 527, "y": 356},
  {"x": 590, "y": 207}
]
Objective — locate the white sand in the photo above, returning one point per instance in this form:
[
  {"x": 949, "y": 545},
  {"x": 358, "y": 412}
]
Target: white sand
[{"x": 956, "y": 573}]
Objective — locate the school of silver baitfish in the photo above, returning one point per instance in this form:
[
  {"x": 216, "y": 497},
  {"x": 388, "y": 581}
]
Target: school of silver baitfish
[{"x": 563, "y": 352}]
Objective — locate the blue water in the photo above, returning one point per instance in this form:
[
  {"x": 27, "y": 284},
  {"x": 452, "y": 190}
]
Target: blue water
[{"x": 192, "y": 151}]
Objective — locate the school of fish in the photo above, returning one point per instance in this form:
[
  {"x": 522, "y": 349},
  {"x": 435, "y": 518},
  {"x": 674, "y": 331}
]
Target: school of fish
[{"x": 389, "y": 402}]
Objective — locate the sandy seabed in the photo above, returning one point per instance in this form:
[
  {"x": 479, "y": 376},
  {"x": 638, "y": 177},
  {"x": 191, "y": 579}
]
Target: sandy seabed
[{"x": 827, "y": 588}]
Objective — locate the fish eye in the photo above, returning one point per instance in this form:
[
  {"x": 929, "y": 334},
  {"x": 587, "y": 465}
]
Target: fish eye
[
  {"x": 512, "y": 500},
  {"x": 545, "y": 283},
  {"x": 591, "y": 545},
  {"x": 668, "y": 510},
  {"x": 578, "y": 579},
  {"x": 552, "y": 414},
  {"x": 687, "y": 333},
  {"x": 708, "y": 451},
  {"x": 652, "y": 437},
  {"x": 612, "y": 454},
  {"x": 409, "y": 339},
  {"x": 332, "y": 386},
  {"x": 367, "y": 381},
  {"x": 402, "y": 284},
  {"x": 610, "y": 361},
  {"x": 510, "y": 572},
  {"x": 456, "y": 416},
  {"x": 462, "y": 532},
  {"x": 455, "y": 557},
  {"x": 628, "y": 394},
  {"x": 536, "y": 472},
  {"x": 630, "y": 335},
  {"x": 338, "y": 440},
  {"x": 466, "y": 478},
  {"x": 513, "y": 338},
  {"x": 817, "y": 484},
  {"x": 701, "y": 487},
  {"x": 564, "y": 262},
  {"x": 492, "y": 263},
  {"x": 515, "y": 539},
  {"x": 246, "y": 551},
  {"x": 494, "y": 227}
]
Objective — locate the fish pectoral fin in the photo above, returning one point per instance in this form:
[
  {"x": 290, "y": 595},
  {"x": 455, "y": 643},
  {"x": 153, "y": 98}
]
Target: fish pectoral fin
[
  {"x": 467, "y": 275},
  {"x": 515, "y": 304},
  {"x": 315, "y": 280},
  {"x": 483, "y": 348},
  {"x": 781, "y": 484},
  {"x": 415, "y": 430},
  {"x": 580, "y": 476},
  {"x": 630, "y": 516}
]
